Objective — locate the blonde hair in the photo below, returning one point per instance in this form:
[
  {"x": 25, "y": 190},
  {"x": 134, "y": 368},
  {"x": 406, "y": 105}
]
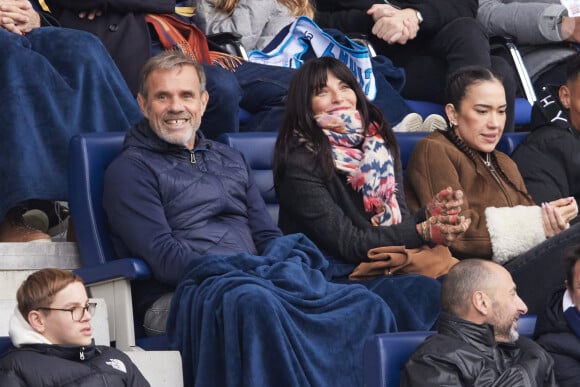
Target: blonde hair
[
  {"x": 40, "y": 288},
  {"x": 296, "y": 7}
]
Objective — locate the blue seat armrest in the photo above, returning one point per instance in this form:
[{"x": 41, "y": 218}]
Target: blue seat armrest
[
  {"x": 127, "y": 268},
  {"x": 5, "y": 344}
]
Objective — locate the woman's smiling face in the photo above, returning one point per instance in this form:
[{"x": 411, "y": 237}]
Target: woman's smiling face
[{"x": 334, "y": 96}]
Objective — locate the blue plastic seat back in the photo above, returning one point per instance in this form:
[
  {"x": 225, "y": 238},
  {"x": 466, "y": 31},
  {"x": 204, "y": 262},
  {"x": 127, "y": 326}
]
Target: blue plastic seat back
[
  {"x": 385, "y": 354},
  {"x": 510, "y": 141},
  {"x": 258, "y": 150},
  {"x": 5, "y": 344},
  {"x": 89, "y": 156},
  {"x": 407, "y": 141},
  {"x": 522, "y": 114}
]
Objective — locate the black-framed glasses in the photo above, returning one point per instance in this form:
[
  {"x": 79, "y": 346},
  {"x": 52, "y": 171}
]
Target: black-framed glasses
[{"x": 78, "y": 312}]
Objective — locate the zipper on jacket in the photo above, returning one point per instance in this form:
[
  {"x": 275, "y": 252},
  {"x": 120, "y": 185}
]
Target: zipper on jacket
[
  {"x": 82, "y": 353},
  {"x": 192, "y": 157},
  {"x": 496, "y": 177}
]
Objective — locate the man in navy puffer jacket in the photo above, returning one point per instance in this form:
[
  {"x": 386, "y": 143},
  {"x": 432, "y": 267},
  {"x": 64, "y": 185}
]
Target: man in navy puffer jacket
[
  {"x": 190, "y": 195},
  {"x": 226, "y": 282}
]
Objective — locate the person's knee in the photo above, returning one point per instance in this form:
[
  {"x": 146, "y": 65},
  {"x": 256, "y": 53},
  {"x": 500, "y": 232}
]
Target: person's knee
[
  {"x": 466, "y": 31},
  {"x": 155, "y": 320},
  {"x": 506, "y": 73},
  {"x": 252, "y": 299},
  {"x": 222, "y": 86}
]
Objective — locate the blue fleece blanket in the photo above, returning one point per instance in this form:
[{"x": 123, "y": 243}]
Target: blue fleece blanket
[
  {"x": 272, "y": 320},
  {"x": 55, "y": 82}
]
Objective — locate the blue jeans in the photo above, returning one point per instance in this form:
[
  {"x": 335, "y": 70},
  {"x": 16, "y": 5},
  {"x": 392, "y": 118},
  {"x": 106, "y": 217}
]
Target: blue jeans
[
  {"x": 223, "y": 107},
  {"x": 265, "y": 88},
  {"x": 261, "y": 90},
  {"x": 539, "y": 271}
]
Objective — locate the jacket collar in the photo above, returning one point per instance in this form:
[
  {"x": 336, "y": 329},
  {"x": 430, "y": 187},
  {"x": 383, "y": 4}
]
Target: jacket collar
[
  {"x": 21, "y": 332},
  {"x": 142, "y": 135},
  {"x": 480, "y": 336},
  {"x": 23, "y": 336}
]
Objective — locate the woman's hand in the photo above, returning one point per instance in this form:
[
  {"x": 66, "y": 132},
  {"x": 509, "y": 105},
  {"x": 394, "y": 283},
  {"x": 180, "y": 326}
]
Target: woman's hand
[
  {"x": 446, "y": 202},
  {"x": 443, "y": 229},
  {"x": 567, "y": 207},
  {"x": 552, "y": 220}
]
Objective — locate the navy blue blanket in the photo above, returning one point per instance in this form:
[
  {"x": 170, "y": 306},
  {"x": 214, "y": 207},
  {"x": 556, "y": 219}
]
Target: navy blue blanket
[
  {"x": 272, "y": 320},
  {"x": 54, "y": 83}
]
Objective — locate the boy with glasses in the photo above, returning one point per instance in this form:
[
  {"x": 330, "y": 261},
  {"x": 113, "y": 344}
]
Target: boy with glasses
[{"x": 51, "y": 330}]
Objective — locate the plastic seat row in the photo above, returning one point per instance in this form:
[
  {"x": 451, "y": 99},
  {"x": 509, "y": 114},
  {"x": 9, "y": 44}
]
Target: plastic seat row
[
  {"x": 385, "y": 354},
  {"x": 109, "y": 278}
]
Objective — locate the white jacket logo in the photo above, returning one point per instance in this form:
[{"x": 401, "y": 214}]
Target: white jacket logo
[{"x": 117, "y": 364}]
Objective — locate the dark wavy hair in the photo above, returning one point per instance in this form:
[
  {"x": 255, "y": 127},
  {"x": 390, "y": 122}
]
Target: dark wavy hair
[
  {"x": 456, "y": 90},
  {"x": 310, "y": 78}
]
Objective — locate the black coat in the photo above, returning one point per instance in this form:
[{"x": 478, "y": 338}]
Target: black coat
[
  {"x": 40, "y": 365},
  {"x": 121, "y": 28},
  {"x": 332, "y": 215},
  {"x": 466, "y": 354},
  {"x": 553, "y": 333},
  {"x": 549, "y": 157},
  {"x": 350, "y": 15}
]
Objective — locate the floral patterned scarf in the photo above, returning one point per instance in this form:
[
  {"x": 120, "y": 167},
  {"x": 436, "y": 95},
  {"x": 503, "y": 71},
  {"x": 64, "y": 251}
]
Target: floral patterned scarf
[{"x": 364, "y": 157}]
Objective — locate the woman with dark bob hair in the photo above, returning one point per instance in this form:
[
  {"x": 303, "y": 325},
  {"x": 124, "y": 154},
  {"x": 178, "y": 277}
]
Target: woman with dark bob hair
[{"x": 338, "y": 178}]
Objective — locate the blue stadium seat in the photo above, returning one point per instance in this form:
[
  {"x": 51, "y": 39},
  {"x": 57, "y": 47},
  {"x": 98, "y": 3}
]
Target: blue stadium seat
[
  {"x": 385, "y": 354},
  {"x": 5, "y": 344},
  {"x": 106, "y": 277},
  {"x": 109, "y": 278},
  {"x": 522, "y": 116}
]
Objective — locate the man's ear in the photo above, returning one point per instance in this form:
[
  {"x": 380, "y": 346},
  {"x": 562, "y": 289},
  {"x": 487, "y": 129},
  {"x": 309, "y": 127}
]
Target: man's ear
[
  {"x": 142, "y": 104},
  {"x": 204, "y": 99},
  {"x": 564, "y": 95},
  {"x": 481, "y": 302},
  {"x": 36, "y": 321}
]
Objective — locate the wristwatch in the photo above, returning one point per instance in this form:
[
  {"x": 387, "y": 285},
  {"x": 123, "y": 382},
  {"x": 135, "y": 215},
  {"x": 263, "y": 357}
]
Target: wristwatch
[{"x": 419, "y": 16}]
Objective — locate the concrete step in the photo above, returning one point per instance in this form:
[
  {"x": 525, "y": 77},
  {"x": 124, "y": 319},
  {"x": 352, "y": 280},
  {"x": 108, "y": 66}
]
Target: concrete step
[
  {"x": 160, "y": 368},
  {"x": 19, "y": 260}
]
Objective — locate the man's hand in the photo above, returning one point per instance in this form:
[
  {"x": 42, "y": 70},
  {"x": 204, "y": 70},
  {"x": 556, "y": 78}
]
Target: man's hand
[
  {"x": 18, "y": 16},
  {"x": 394, "y": 25}
]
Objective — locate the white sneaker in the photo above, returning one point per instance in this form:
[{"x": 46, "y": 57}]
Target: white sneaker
[
  {"x": 433, "y": 122},
  {"x": 412, "y": 122}
]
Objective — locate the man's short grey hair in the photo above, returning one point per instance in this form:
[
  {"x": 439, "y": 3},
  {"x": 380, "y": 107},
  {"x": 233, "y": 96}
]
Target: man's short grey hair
[
  {"x": 465, "y": 278},
  {"x": 169, "y": 60}
]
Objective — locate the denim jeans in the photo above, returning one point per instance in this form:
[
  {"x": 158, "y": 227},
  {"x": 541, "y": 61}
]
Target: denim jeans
[
  {"x": 223, "y": 107},
  {"x": 265, "y": 89},
  {"x": 430, "y": 58},
  {"x": 261, "y": 90},
  {"x": 539, "y": 271}
]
